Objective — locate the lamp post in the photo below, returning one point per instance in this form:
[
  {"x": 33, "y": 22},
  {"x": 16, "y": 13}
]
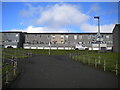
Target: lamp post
[
  {"x": 49, "y": 46},
  {"x": 98, "y": 37}
]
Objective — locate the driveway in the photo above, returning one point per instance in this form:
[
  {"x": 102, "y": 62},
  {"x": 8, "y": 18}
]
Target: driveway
[{"x": 45, "y": 71}]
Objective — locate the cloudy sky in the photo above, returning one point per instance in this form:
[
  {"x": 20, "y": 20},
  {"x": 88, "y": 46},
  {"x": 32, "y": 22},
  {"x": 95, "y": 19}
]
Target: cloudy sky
[{"x": 62, "y": 17}]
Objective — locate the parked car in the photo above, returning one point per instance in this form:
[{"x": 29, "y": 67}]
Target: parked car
[
  {"x": 80, "y": 47},
  {"x": 9, "y": 47}
]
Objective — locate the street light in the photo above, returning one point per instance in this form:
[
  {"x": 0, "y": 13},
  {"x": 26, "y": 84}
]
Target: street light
[
  {"x": 49, "y": 45},
  {"x": 98, "y": 37}
]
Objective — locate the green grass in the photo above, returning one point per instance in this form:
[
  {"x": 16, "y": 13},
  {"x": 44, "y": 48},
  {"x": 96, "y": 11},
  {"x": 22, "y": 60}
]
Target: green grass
[
  {"x": 19, "y": 53},
  {"x": 56, "y": 52},
  {"x": 110, "y": 59}
]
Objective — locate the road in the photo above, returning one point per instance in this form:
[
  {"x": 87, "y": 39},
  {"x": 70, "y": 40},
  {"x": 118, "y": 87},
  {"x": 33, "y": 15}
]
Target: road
[{"x": 61, "y": 72}]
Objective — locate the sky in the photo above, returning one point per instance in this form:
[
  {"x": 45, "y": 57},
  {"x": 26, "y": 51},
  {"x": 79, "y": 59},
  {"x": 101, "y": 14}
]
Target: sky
[{"x": 59, "y": 17}]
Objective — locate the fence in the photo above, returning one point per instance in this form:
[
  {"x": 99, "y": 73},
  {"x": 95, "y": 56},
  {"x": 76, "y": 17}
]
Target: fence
[
  {"x": 101, "y": 63},
  {"x": 10, "y": 67},
  {"x": 9, "y": 70}
]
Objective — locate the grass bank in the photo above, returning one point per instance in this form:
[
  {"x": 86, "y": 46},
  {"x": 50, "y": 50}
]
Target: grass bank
[{"x": 106, "y": 61}]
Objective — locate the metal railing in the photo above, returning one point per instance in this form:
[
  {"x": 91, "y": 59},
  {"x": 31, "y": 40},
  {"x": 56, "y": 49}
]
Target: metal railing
[
  {"x": 99, "y": 62},
  {"x": 10, "y": 67}
]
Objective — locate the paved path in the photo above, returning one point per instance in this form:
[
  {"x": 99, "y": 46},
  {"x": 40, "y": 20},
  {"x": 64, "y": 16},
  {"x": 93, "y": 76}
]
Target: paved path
[{"x": 62, "y": 72}]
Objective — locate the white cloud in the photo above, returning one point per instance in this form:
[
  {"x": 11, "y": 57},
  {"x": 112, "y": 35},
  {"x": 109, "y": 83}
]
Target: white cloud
[
  {"x": 56, "y": 15},
  {"x": 62, "y": 15},
  {"x": 54, "y": 18},
  {"x": 32, "y": 29},
  {"x": 87, "y": 28},
  {"x": 93, "y": 28},
  {"x": 107, "y": 28}
]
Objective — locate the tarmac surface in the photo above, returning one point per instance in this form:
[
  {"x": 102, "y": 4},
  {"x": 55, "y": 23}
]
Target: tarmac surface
[{"x": 45, "y": 71}]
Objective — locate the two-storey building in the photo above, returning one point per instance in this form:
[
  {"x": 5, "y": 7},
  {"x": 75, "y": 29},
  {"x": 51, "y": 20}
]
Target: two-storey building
[{"x": 13, "y": 39}]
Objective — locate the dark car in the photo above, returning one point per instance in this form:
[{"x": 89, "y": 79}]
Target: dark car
[{"x": 9, "y": 47}]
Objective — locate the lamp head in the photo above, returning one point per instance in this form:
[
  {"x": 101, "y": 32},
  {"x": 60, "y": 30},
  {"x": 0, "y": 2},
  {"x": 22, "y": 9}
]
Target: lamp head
[{"x": 97, "y": 17}]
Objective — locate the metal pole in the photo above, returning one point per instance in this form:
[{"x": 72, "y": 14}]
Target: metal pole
[
  {"x": 14, "y": 68},
  {"x": 49, "y": 47},
  {"x": 98, "y": 59},
  {"x": 99, "y": 32},
  {"x": 104, "y": 65},
  {"x": 15, "y": 65},
  {"x": 49, "y": 50},
  {"x": 6, "y": 73},
  {"x": 116, "y": 68},
  {"x": 95, "y": 63}
]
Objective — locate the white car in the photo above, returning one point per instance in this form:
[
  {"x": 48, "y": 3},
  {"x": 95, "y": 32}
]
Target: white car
[{"x": 80, "y": 47}]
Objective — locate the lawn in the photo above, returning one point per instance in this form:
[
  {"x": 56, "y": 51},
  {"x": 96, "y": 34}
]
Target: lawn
[
  {"x": 85, "y": 56},
  {"x": 56, "y": 52},
  {"x": 108, "y": 60}
]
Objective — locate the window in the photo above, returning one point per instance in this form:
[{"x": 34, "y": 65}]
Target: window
[
  {"x": 16, "y": 35},
  {"x": 53, "y": 36},
  {"x": 79, "y": 42},
  {"x": 9, "y": 40},
  {"x": 66, "y": 36},
  {"x": 89, "y": 42},
  {"x": 80, "y": 37},
  {"x": 62, "y": 42},
  {"x": 83, "y": 42},
  {"x": 62, "y": 37},
  {"x": 16, "y": 40},
  {"x": 102, "y": 36},
  {"x": 75, "y": 36},
  {"x": 48, "y": 36},
  {"x": 109, "y": 42},
  {"x": 107, "y": 36},
  {"x": 89, "y": 36},
  {"x": 27, "y": 42}
]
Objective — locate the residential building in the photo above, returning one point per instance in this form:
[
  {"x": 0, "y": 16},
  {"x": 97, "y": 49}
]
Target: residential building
[
  {"x": 65, "y": 40},
  {"x": 55, "y": 40},
  {"x": 13, "y": 39}
]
